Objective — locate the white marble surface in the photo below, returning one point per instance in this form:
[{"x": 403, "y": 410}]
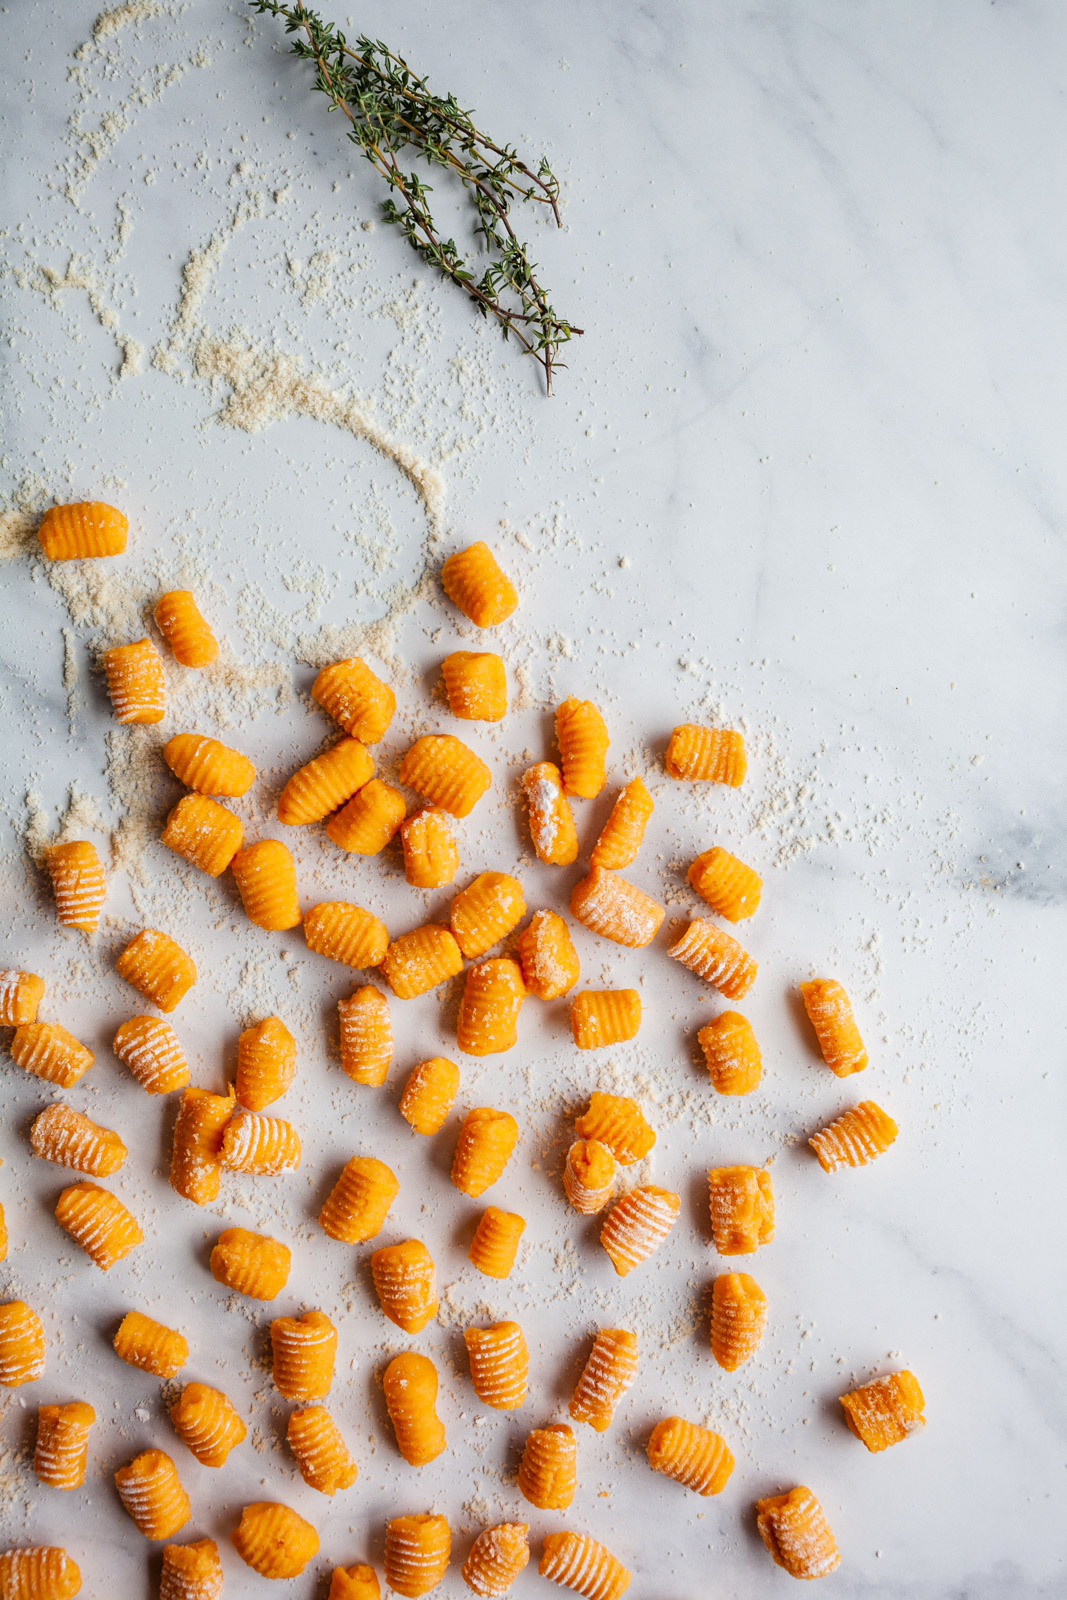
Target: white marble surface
[{"x": 804, "y": 475}]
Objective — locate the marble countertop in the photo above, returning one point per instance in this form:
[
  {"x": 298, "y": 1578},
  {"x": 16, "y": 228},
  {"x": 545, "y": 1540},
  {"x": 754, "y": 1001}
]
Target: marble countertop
[{"x": 803, "y": 476}]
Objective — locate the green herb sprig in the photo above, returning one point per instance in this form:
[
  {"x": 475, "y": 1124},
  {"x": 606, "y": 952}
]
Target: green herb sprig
[{"x": 390, "y": 109}]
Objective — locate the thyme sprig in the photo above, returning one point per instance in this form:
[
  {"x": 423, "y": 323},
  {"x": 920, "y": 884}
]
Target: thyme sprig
[{"x": 391, "y": 109}]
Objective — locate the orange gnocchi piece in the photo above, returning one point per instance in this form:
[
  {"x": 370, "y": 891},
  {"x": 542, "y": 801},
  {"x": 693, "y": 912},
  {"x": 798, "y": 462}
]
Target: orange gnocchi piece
[
  {"x": 830, "y": 1011},
  {"x": 367, "y": 822},
  {"x": 885, "y": 1411},
  {"x": 358, "y": 1204},
  {"x": 346, "y": 933},
  {"x": 738, "y": 1319},
  {"x": 63, "y": 1444},
  {"x": 78, "y": 883},
  {"x": 354, "y": 1583},
  {"x": 150, "y": 1346},
  {"x": 418, "y": 961},
  {"x": 48, "y": 1051},
  {"x": 742, "y": 1209},
  {"x": 191, "y": 1571},
  {"x": 486, "y": 1141},
  {"x": 600, "y": 1017},
  {"x": 203, "y": 833},
  {"x": 486, "y": 911},
  {"x": 637, "y": 1225},
  {"x": 476, "y": 685},
  {"x": 552, "y": 830},
  {"x": 416, "y": 1553},
  {"x": 135, "y": 682},
  {"x": 265, "y": 873},
  {"x": 589, "y": 1176},
  {"x": 695, "y": 1457},
  {"x": 496, "y": 1558},
  {"x": 500, "y": 1364},
  {"x": 431, "y": 858},
  {"x": 208, "y": 766},
  {"x": 475, "y": 582},
  {"x": 20, "y": 995},
  {"x": 180, "y": 621},
  {"x": 406, "y": 1284},
  {"x": 716, "y": 957},
  {"x": 252, "y": 1142},
  {"x": 207, "y": 1424},
  {"x": 794, "y": 1528},
  {"x": 71, "y": 1139},
  {"x": 582, "y": 736},
  {"x": 549, "y": 961},
  {"x": 151, "y": 1492},
  {"x": 729, "y": 887},
  {"x": 157, "y": 967},
  {"x": 489, "y": 1009},
  {"x": 274, "y": 1540},
  {"x": 711, "y": 755},
  {"x": 605, "y": 1378},
  {"x": 266, "y": 1063},
  {"x": 548, "y": 1471},
  {"x": 320, "y": 1450},
  {"x": 496, "y": 1242},
  {"x": 575, "y": 1561},
  {"x": 355, "y": 697},
  {"x": 618, "y": 1122},
  {"x": 858, "y": 1136},
  {"x": 621, "y": 836},
  {"x": 149, "y": 1047},
  {"x": 195, "y": 1162},
  {"x": 446, "y": 772},
  {"x": 324, "y": 783},
  {"x": 429, "y": 1094},
  {"x": 251, "y": 1263},
  {"x": 303, "y": 1351},
  {"x": 39, "y": 1572},
  {"x": 21, "y": 1344},
  {"x": 86, "y": 528},
  {"x": 731, "y": 1053},
  {"x": 615, "y": 909},
  {"x": 410, "y": 1384},
  {"x": 366, "y": 1035},
  {"x": 99, "y": 1223}
]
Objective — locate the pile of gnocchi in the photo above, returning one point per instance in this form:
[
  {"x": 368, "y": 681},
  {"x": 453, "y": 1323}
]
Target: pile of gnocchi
[{"x": 236, "y": 1132}]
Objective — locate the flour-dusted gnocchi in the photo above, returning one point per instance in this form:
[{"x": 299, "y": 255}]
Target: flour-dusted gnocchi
[
  {"x": 249, "y": 1263},
  {"x": 589, "y": 1176},
  {"x": 615, "y": 909},
  {"x": 207, "y": 766},
  {"x": 620, "y": 837},
  {"x": 196, "y": 1151},
  {"x": 99, "y": 1223},
  {"x": 207, "y": 1424},
  {"x": 575, "y": 1561},
  {"x": 637, "y": 1225},
  {"x": 150, "y": 1346},
  {"x": 493, "y": 993},
  {"x": 483, "y": 1149},
  {"x": 709, "y": 755},
  {"x": 858, "y": 1136},
  {"x": 496, "y": 1558},
  {"x": 446, "y": 772},
  {"x": 731, "y": 1053},
  {"x": 62, "y": 1446},
  {"x": 303, "y": 1351},
  {"x": 22, "y": 1344},
  {"x": 203, "y": 833},
  {"x": 265, "y": 874},
  {"x": 366, "y": 823},
  {"x": 696, "y": 1457},
  {"x": 406, "y": 1284},
  {"x": 886, "y": 1410},
  {"x": 266, "y": 1063},
  {"x": 602, "y": 1017},
  {"x": 496, "y": 1242},
  {"x": 618, "y": 1122},
  {"x": 321, "y": 1453},
  {"x": 794, "y": 1528},
  {"x": 742, "y": 1209},
  {"x": 418, "y": 961},
  {"x": 135, "y": 682},
  {"x": 71, "y": 1139},
  {"x": 358, "y": 1204},
  {"x": 500, "y": 1364},
  {"x": 151, "y": 1491},
  {"x": 20, "y": 995},
  {"x": 151, "y": 1050},
  {"x": 78, "y": 883},
  {"x": 366, "y": 1035},
  {"x": 191, "y": 1571},
  {"x": 85, "y": 529},
  {"x": 347, "y": 933},
  {"x": 431, "y": 858},
  {"x": 252, "y": 1142},
  {"x": 48, "y": 1051},
  {"x": 158, "y": 968},
  {"x": 39, "y": 1572},
  {"x": 610, "y": 1369},
  {"x": 547, "y": 957},
  {"x": 729, "y": 886},
  {"x": 738, "y": 1319},
  {"x": 548, "y": 1471},
  {"x": 355, "y": 697},
  {"x": 429, "y": 1094},
  {"x": 354, "y": 1583},
  {"x": 417, "y": 1549},
  {"x": 830, "y": 1010},
  {"x": 486, "y": 911},
  {"x": 476, "y": 685},
  {"x": 552, "y": 831},
  {"x": 582, "y": 736},
  {"x": 716, "y": 957}
]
